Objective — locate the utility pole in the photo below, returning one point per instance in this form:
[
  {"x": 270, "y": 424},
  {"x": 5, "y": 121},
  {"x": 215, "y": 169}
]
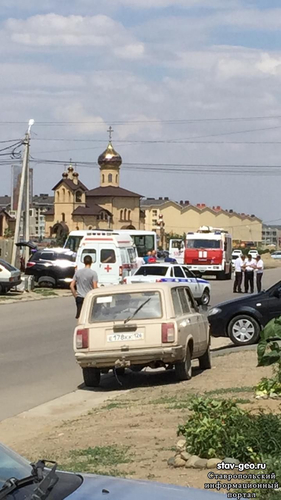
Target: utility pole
[
  {"x": 24, "y": 183},
  {"x": 161, "y": 224}
]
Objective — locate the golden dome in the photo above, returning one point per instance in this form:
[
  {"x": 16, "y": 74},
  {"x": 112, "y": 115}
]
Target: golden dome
[{"x": 110, "y": 157}]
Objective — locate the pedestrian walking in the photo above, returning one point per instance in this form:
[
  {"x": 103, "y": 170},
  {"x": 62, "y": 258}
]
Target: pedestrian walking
[
  {"x": 249, "y": 274},
  {"x": 238, "y": 264},
  {"x": 259, "y": 272},
  {"x": 84, "y": 281}
]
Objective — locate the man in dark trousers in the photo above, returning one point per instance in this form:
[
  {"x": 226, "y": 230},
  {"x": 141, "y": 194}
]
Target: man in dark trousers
[
  {"x": 249, "y": 274},
  {"x": 83, "y": 282},
  {"x": 238, "y": 263},
  {"x": 259, "y": 271}
]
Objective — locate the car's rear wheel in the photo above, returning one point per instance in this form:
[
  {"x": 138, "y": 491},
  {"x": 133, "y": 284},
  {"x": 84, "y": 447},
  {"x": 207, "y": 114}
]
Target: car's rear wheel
[
  {"x": 47, "y": 282},
  {"x": 183, "y": 369},
  {"x": 205, "y": 360},
  {"x": 3, "y": 290},
  {"x": 244, "y": 330},
  {"x": 91, "y": 377}
]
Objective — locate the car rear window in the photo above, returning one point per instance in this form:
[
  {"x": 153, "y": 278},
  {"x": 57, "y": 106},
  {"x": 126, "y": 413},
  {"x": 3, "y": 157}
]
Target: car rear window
[
  {"x": 152, "y": 270},
  {"x": 45, "y": 256},
  {"x": 66, "y": 256},
  {"x": 7, "y": 266},
  {"x": 120, "y": 306}
]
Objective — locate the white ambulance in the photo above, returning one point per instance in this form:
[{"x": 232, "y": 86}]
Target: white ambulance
[{"x": 114, "y": 256}]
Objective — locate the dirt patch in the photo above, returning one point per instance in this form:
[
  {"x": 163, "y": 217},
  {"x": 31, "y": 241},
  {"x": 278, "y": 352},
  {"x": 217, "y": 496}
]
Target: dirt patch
[
  {"x": 269, "y": 262},
  {"x": 140, "y": 426}
]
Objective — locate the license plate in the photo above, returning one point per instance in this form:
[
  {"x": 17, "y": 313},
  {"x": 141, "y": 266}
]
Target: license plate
[{"x": 125, "y": 337}]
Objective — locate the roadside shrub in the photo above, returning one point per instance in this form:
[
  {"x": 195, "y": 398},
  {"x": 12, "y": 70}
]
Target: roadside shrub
[
  {"x": 219, "y": 428},
  {"x": 269, "y": 354}
]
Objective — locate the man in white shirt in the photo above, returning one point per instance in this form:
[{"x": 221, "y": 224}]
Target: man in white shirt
[
  {"x": 238, "y": 264},
  {"x": 249, "y": 266},
  {"x": 259, "y": 271}
]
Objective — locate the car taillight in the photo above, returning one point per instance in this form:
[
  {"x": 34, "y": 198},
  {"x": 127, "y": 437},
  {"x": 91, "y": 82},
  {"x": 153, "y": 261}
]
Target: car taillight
[
  {"x": 82, "y": 338},
  {"x": 30, "y": 264},
  {"x": 125, "y": 281},
  {"x": 168, "y": 332},
  {"x": 120, "y": 270}
]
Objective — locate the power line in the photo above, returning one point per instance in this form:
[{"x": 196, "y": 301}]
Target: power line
[{"x": 163, "y": 121}]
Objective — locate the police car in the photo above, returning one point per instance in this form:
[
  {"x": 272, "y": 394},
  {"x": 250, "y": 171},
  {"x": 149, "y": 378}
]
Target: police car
[{"x": 164, "y": 272}]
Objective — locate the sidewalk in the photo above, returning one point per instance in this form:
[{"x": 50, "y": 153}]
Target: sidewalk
[{"x": 36, "y": 294}]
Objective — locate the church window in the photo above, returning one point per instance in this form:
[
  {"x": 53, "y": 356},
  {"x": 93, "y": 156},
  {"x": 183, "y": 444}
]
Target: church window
[
  {"x": 102, "y": 178},
  {"x": 63, "y": 217},
  {"x": 109, "y": 177},
  {"x": 125, "y": 214},
  {"x": 121, "y": 214},
  {"x": 116, "y": 178},
  {"x": 78, "y": 197},
  {"x": 63, "y": 194},
  {"x": 129, "y": 214},
  {"x": 58, "y": 196},
  {"x": 69, "y": 196}
]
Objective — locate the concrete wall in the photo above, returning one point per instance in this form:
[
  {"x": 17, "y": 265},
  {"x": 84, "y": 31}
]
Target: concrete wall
[{"x": 6, "y": 248}]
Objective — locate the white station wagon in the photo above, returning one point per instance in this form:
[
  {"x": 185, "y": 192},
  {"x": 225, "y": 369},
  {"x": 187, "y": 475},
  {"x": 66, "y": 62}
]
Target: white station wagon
[
  {"x": 173, "y": 273},
  {"x": 146, "y": 324}
]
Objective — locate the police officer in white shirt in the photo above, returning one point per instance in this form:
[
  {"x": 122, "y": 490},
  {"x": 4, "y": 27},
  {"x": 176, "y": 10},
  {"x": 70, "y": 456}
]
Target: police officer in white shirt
[
  {"x": 249, "y": 273},
  {"x": 259, "y": 271},
  {"x": 238, "y": 264}
]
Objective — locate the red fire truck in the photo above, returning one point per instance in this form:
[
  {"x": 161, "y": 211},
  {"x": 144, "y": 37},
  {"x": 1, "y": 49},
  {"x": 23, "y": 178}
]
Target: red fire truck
[{"x": 208, "y": 251}]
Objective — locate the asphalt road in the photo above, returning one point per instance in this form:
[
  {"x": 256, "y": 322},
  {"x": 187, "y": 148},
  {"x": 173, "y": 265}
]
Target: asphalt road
[{"x": 36, "y": 358}]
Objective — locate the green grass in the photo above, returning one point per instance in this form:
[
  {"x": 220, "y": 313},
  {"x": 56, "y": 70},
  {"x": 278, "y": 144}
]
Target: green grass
[
  {"x": 229, "y": 390},
  {"x": 117, "y": 404},
  {"x": 46, "y": 292},
  {"x": 99, "y": 460}
]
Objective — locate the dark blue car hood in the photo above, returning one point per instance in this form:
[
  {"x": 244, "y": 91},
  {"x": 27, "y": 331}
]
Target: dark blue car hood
[
  {"x": 241, "y": 300},
  {"x": 128, "y": 489}
]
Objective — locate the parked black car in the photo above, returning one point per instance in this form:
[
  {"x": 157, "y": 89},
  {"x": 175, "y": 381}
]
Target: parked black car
[
  {"x": 242, "y": 319},
  {"x": 52, "y": 266}
]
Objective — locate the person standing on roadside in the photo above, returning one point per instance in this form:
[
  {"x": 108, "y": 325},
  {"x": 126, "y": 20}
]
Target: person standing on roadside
[
  {"x": 84, "y": 281},
  {"x": 249, "y": 274},
  {"x": 243, "y": 258},
  {"x": 259, "y": 271},
  {"x": 238, "y": 264}
]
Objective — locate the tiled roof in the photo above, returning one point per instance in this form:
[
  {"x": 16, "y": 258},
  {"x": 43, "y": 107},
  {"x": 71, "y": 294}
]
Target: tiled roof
[
  {"x": 71, "y": 185},
  {"x": 51, "y": 211},
  {"x": 5, "y": 201},
  {"x": 92, "y": 210},
  {"x": 113, "y": 192}
]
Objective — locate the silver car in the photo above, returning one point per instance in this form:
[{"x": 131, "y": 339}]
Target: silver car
[{"x": 23, "y": 481}]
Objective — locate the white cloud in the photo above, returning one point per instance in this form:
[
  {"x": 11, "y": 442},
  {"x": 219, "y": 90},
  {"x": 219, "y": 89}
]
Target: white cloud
[{"x": 52, "y": 30}]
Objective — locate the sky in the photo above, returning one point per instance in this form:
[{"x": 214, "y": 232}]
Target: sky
[{"x": 189, "y": 86}]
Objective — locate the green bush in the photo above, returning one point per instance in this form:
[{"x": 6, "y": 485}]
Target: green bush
[{"x": 219, "y": 428}]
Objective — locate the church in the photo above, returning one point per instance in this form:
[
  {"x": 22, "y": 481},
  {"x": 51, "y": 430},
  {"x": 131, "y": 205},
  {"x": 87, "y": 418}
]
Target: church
[{"x": 108, "y": 206}]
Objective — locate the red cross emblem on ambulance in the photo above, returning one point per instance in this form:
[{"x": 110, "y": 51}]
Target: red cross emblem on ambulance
[{"x": 108, "y": 268}]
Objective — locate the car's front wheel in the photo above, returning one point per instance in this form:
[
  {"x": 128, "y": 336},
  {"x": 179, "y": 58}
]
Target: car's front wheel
[
  {"x": 205, "y": 298},
  {"x": 91, "y": 377},
  {"x": 244, "y": 330},
  {"x": 183, "y": 369}
]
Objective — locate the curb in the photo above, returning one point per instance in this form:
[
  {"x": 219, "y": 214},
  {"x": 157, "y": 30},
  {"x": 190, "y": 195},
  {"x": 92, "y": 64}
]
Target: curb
[{"x": 30, "y": 299}]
